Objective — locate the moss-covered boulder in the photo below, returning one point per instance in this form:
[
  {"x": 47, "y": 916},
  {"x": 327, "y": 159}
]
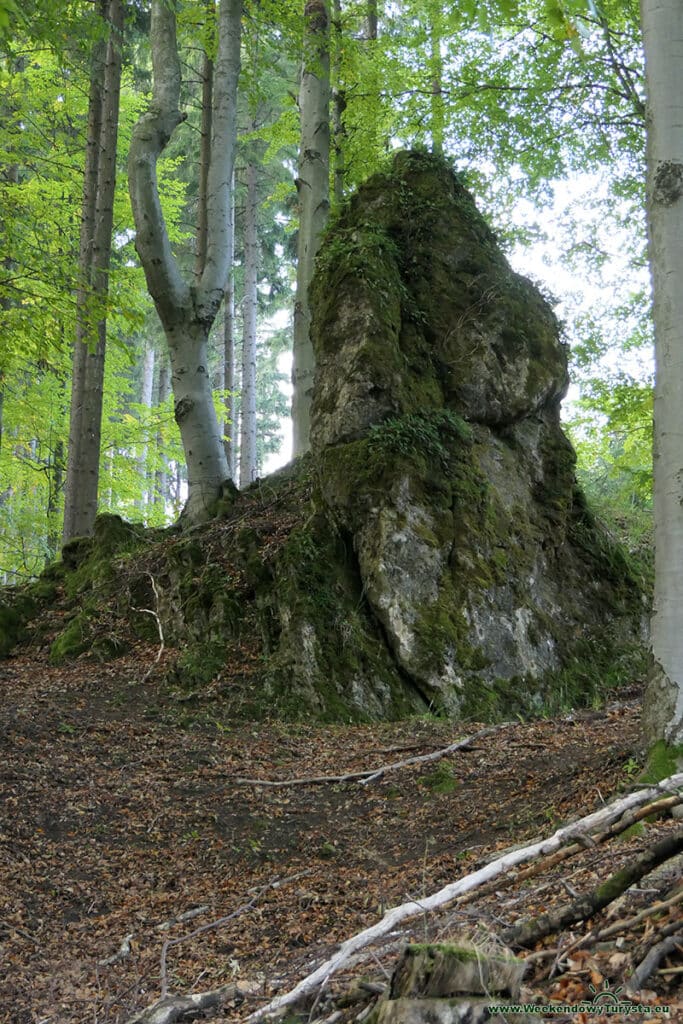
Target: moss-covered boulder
[{"x": 436, "y": 431}]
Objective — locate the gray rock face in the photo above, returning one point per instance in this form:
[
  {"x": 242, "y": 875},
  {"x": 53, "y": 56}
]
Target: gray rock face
[
  {"x": 415, "y": 307},
  {"x": 435, "y": 427}
]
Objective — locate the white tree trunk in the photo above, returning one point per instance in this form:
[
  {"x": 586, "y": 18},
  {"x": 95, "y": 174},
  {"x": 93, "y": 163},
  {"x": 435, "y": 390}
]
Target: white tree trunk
[
  {"x": 229, "y": 430},
  {"x": 250, "y": 302},
  {"x": 187, "y": 313},
  {"x": 146, "y": 391},
  {"x": 314, "y": 202},
  {"x": 663, "y": 39},
  {"x": 163, "y": 391}
]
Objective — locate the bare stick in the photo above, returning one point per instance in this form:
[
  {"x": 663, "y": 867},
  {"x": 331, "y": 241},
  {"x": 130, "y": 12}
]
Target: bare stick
[
  {"x": 371, "y": 775},
  {"x": 397, "y": 915},
  {"x": 652, "y": 961},
  {"x": 155, "y": 616}
]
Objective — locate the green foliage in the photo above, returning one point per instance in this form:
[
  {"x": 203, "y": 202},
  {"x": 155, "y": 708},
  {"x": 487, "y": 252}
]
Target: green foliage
[{"x": 424, "y": 434}]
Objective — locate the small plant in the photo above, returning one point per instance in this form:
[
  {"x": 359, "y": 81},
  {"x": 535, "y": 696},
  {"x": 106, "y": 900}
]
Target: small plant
[
  {"x": 632, "y": 767},
  {"x": 425, "y": 434},
  {"x": 441, "y": 780}
]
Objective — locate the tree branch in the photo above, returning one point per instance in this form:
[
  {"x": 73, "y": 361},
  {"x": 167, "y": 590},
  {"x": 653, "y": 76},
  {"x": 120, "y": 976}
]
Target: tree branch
[
  {"x": 151, "y": 134},
  {"x": 223, "y": 142}
]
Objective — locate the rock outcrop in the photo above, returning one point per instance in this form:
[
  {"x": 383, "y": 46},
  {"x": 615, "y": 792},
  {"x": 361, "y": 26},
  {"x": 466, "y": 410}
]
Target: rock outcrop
[
  {"x": 433, "y": 552},
  {"x": 436, "y": 431}
]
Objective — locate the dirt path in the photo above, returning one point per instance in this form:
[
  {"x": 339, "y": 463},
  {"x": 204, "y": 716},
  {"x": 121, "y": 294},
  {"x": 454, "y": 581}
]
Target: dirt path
[{"x": 120, "y": 812}]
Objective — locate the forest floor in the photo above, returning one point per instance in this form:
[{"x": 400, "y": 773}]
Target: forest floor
[{"x": 121, "y": 812}]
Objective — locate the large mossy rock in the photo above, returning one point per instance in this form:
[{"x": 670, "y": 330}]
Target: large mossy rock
[
  {"x": 433, "y": 552},
  {"x": 415, "y": 307},
  {"x": 436, "y": 432}
]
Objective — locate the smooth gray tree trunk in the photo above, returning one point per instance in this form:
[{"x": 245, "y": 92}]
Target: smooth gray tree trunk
[
  {"x": 663, "y": 40},
  {"x": 187, "y": 313},
  {"x": 163, "y": 391},
  {"x": 73, "y": 524},
  {"x": 146, "y": 392},
  {"x": 314, "y": 202},
  {"x": 250, "y": 305},
  {"x": 229, "y": 428}
]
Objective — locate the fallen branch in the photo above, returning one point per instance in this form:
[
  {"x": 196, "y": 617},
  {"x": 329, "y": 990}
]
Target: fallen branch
[
  {"x": 528, "y": 932},
  {"x": 372, "y": 774},
  {"x": 174, "y": 1008},
  {"x": 397, "y": 915},
  {"x": 652, "y": 961}
]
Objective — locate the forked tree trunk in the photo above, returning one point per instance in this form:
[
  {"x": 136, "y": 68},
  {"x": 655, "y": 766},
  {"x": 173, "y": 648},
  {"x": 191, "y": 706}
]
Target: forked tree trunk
[
  {"x": 314, "y": 203},
  {"x": 85, "y": 424},
  {"x": 250, "y": 303},
  {"x": 187, "y": 313},
  {"x": 663, "y": 39}
]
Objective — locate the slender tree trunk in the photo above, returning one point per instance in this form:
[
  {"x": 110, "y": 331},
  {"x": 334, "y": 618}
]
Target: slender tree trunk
[
  {"x": 204, "y": 163},
  {"x": 338, "y": 106},
  {"x": 85, "y": 429},
  {"x": 314, "y": 202},
  {"x": 663, "y": 39},
  {"x": 163, "y": 391},
  {"x": 229, "y": 431},
  {"x": 187, "y": 313},
  {"x": 437, "y": 108},
  {"x": 371, "y": 20},
  {"x": 146, "y": 391},
  {"x": 248, "y": 421}
]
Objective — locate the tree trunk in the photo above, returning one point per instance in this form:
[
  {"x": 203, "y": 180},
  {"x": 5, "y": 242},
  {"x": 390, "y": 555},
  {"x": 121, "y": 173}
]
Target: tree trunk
[
  {"x": 229, "y": 431},
  {"x": 437, "y": 109},
  {"x": 146, "y": 400},
  {"x": 248, "y": 422},
  {"x": 163, "y": 391},
  {"x": 204, "y": 162},
  {"x": 313, "y": 187},
  {"x": 338, "y": 107},
  {"x": 187, "y": 313},
  {"x": 85, "y": 426},
  {"x": 663, "y": 39},
  {"x": 372, "y": 20}
]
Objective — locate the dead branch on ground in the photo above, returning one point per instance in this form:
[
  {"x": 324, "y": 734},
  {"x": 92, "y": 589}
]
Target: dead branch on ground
[
  {"x": 371, "y": 775},
  {"x": 528, "y": 932}
]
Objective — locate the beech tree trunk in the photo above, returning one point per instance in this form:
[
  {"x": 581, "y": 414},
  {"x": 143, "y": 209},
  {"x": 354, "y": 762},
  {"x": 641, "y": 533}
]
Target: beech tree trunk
[
  {"x": 248, "y": 421},
  {"x": 314, "y": 203},
  {"x": 85, "y": 424},
  {"x": 663, "y": 40},
  {"x": 163, "y": 391},
  {"x": 187, "y": 313},
  {"x": 146, "y": 392},
  {"x": 229, "y": 429}
]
